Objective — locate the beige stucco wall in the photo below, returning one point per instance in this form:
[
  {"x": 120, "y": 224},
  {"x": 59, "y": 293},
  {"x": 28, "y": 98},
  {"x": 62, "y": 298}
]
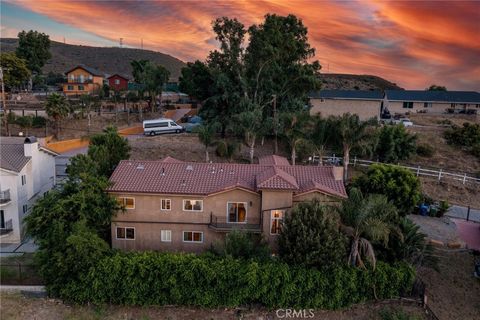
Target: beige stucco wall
[
  {"x": 316, "y": 195},
  {"x": 149, "y": 220},
  {"x": 365, "y": 109},
  {"x": 437, "y": 107}
]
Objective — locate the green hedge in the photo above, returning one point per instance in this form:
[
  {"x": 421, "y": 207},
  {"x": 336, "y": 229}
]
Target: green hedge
[{"x": 151, "y": 278}]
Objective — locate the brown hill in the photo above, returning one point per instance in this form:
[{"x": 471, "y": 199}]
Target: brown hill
[
  {"x": 336, "y": 81},
  {"x": 106, "y": 59}
]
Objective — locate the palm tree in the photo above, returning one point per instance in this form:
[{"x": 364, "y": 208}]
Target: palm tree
[
  {"x": 295, "y": 127},
  {"x": 351, "y": 132},
  {"x": 57, "y": 109},
  {"x": 206, "y": 134},
  {"x": 364, "y": 220},
  {"x": 321, "y": 135}
]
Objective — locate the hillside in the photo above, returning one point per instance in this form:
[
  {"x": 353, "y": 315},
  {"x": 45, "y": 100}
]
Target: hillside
[
  {"x": 117, "y": 60},
  {"x": 336, "y": 81},
  {"x": 107, "y": 59}
]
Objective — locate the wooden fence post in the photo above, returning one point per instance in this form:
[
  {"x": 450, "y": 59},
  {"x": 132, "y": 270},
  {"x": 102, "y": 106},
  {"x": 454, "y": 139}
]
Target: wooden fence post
[
  {"x": 439, "y": 174},
  {"x": 418, "y": 170},
  {"x": 355, "y": 161},
  {"x": 464, "y": 178}
]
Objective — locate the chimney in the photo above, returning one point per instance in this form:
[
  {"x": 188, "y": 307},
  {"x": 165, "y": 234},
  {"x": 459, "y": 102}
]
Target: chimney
[
  {"x": 337, "y": 172},
  {"x": 30, "y": 147}
]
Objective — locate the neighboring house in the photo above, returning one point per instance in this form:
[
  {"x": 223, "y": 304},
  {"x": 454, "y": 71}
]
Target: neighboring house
[
  {"x": 118, "y": 82},
  {"x": 183, "y": 206},
  {"x": 83, "y": 80},
  {"x": 403, "y": 101},
  {"x": 366, "y": 104},
  {"x": 27, "y": 172}
]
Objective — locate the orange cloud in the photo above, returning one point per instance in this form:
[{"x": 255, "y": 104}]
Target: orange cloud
[{"x": 411, "y": 43}]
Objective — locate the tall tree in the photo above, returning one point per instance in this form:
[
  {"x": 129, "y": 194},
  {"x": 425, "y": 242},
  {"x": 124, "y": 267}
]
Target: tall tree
[
  {"x": 294, "y": 127},
  {"x": 34, "y": 47},
  {"x": 311, "y": 236},
  {"x": 365, "y": 220},
  {"x": 351, "y": 133},
  {"x": 206, "y": 135},
  {"x": 434, "y": 87},
  {"x": 249, "y": 124},
  {"x": 196, "y": 80},
  {"x": 56, "y": 108},
  {"x": 156, "y": 76},
  {"x": 15, "y": 71}
]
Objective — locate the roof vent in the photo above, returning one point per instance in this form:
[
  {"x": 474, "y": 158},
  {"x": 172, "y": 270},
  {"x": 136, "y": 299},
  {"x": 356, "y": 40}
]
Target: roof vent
[
  {"x": 183, "y": 183},
  {"x": 140, "y": 167},
  {"x": 231, "y": 172},
  {"x": 190, "y": 168},
  {"x": 163, "y": 172}
]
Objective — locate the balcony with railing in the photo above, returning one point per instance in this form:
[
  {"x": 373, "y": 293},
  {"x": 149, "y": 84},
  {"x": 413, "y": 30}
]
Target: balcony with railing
[
  {"x": 221, "y": 224},
  {"x": 5, "y": 197},
  {"x": 6, "y": 227}
]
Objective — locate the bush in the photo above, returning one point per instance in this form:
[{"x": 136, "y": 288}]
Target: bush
[
  {"x": 467, "y": 137},
  {"x": 227, "y": 149},
  {"x": 398, "y": 184},
  {"x": 311, "y": 236},
  {"x": 39, "y": 122},
  {"x": 151, "y": 278},
  {"x": 425, "y": 150},
  {"x": 243, "y": 245},
  {"x": 395, "y": 144}
]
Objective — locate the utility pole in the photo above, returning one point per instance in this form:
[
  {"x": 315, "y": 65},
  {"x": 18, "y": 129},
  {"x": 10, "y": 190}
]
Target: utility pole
[
  {"x": 121, "y": 42},
  {"x": 4, "y": 104},
  {"x": 141, "y": 43},
  {"x": 275, "y": 124}
]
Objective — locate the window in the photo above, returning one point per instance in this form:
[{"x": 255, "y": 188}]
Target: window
[
  {"x": 25, "y": 208},
  {"x": 156, "y": 125},
  {"x": 166, "y": 204},
  {"x": 125, "y": 233},
  {"x": 2, "y": 219},
  {"x": 192, "y": 236},
  {"x": 166, "y": 235},
  {"x": 70, "y": 88},
  {"x": 117, "y": 81},
  {"x": 276, "y": 221},
  {"x": 192, "y": 205},
  {"x": 236, "y": 212},
  {"x": 173, "y": 124},
  {"x": 427, "y": 104},
  {"x": 408, "y": 105},
  {"x": 128, "y": 203},
  {"x": 24, "y": 179},
  {"x": 72, "y": 76},
  {"x": 81, "y": 88}
]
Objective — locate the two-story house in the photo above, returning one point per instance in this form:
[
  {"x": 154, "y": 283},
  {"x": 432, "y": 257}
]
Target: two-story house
[
  {"x": 83, "y": 80},
  {"x": 184, "y": 206},
  {"x": 118, "y": 82},
  {"x": 27, "y": 171}
]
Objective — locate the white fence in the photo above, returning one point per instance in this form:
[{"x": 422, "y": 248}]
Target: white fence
[{"x": 438, "y": 174}]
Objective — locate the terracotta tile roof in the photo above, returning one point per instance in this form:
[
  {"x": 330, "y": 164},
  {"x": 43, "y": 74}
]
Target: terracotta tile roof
[
  {"x": 190, "y": 178},
  {"x": 275, "y": 178},
  {"x": 273, "y": 160}
]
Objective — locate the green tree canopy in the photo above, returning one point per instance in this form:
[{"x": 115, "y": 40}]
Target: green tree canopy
[
  {"x": 15, "y": 71},
  {"x": 399, "y": 185},
  {"x": 34, "y": 47},
  {"x": 311, "y": 236},
  {"x": 196, "y": 80},
  {"x": 395, "y": 143},
  {"x": 57, "y": 108},
  {"x": 295, "y": 128},
  {"x": 434, "y": 87}
]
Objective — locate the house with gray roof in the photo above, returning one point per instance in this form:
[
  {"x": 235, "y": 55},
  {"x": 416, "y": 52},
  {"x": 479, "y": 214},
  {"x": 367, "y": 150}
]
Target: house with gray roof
[
  {"x": 366, "y": 104},
  {"x": 173, "y": 205},
  {"x": 403, "y": 101},
  {"x": 27, "y": 171}
]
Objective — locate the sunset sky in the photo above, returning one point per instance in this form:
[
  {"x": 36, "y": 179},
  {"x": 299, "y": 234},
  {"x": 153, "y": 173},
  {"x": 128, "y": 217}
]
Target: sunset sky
[{"x": 413, "y": 44}]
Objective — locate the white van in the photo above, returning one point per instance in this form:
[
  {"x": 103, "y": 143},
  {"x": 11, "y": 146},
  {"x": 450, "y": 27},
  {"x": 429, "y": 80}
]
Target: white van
[{"x": 162, "y": 125}]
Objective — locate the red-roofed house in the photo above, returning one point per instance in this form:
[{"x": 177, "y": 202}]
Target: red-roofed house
[{"x": 185, "y": 206}]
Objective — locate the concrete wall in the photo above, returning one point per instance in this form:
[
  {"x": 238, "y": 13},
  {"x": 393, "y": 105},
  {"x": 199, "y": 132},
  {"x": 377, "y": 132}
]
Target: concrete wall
[{"x": 365, "y": 109}]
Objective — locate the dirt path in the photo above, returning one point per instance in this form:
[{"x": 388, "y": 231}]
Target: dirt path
[{"x": 16, "y": 307}]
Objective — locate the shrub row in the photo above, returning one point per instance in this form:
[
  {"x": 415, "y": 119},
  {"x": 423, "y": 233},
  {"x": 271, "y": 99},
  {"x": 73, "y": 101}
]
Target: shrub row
[{"x": 152, "y": 278}]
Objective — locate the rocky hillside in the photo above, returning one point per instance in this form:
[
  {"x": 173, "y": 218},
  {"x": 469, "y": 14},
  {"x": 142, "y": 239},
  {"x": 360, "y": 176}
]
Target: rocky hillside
[
  {"x": 336, "y": 81},
  {"x": 109, "y": 60}
]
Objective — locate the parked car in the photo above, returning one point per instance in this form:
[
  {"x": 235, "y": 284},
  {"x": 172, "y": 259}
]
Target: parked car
[
  {"x": 193, "y": 122},
  {"x": 159, "y": 126},
  {"x": 404, "y": 121}
]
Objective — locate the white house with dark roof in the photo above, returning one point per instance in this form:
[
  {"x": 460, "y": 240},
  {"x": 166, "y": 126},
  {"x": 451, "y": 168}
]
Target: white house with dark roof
[{"x": 27, "y": 171}]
